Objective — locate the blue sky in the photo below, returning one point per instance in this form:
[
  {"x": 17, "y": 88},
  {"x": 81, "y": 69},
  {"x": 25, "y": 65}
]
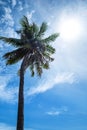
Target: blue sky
[{"x": 57, "y": 100}]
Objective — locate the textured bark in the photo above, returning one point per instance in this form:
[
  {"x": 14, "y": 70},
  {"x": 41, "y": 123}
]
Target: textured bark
[{"x": 20, "y": 116}]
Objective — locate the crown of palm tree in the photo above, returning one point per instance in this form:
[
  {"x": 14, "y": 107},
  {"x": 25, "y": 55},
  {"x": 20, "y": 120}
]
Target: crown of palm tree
[{"x": 32, "y": 48}]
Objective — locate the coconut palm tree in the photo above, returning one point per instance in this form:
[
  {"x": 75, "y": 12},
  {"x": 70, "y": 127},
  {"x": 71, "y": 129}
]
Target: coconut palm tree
[{"x": 34, "y": 51}]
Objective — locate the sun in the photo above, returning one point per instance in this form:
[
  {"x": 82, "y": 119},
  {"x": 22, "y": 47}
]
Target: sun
[{"x": 70, "y": 29}]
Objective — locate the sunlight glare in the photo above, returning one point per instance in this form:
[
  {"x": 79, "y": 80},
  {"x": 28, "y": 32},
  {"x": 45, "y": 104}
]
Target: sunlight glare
[{"x": 70, "y": 29}]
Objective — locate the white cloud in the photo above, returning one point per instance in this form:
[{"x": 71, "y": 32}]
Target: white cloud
[
  {"x": 57, "y": 111},
  {"x": 29, "y": 15},
  {"x": 51, "y": 81},
  {"x": 9, "y": 31},
  {"x": 7, "y": 18},
  {"x": 7, "y": 94},
  {"x": 7, "y": 10},
  {"x": 4, "y": 126},
  {"x": 14, "y": 3},
  {"x": 53, "y": 113},
  {"x": 20, "y": 7}
]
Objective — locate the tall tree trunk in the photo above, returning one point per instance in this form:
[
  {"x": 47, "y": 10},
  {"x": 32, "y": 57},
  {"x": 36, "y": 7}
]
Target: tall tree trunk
[{"x": 20, "y": 116}]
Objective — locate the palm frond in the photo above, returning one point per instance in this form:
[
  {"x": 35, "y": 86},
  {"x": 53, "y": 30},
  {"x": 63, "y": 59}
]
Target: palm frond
[
  {"x": 31, "y": 67},
  {"x": 51, "y": 38},
  {"x": 38, "y": 61},
  {"x": 24, "y": 22},
  {"x": 38, "y": 69},
  {"x": 47, "y": 56},
  {"x": 13, "y": 41},
  {"x": 15, "y": 56},
  {"x": 35, "y": 29},
  {"x": 43, "y": 29},
  {"x": 46, "y": 65},
  {"x": 50, "y": 49},
  {"x": 28, "y": 60}
]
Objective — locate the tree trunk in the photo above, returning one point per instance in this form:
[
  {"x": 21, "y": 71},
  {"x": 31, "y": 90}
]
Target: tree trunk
[{"x": 20, "y": 116}]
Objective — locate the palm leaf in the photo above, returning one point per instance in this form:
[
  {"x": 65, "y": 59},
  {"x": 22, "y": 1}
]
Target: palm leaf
[
  {"x": 15, "y": 56},
  {"x": 24, "y": 22},
  {"x": 13, "y": 41},
  {"x": 38, "y": 69},
  {"x": 43, "y": 29},
  {"x": 51, "y": 38},
  {"x": 31, "y": 67},
  {"x": 46, "y": 65},
  {"x": 35, "y": 29},
  {"x": 50, "y": 49},
  {"x": 47, "y": 56},
  {"x": 29, "y": 59}
]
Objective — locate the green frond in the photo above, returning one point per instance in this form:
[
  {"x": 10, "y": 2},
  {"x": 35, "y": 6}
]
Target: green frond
[
  {"x": 31, "y": 67},
  {"x": 13, "y": 60},
  {"x": 47, "y": 56},
  {"x": 35, "y": 28},
  {"x": 51, "y": 38},
  {"x": 43, "y": 29},
  {"x": 50, "y": 49},
  {"x": 24, "y": 22},
  {"x": 46, "y": 65},
  {"x": 38, "y": 68},
  {"x": 15, "y": 56},
  {"x": 29, "y": 32},
  {"x": 13, "y": 41},
  {"x": 28, "y": 60}
]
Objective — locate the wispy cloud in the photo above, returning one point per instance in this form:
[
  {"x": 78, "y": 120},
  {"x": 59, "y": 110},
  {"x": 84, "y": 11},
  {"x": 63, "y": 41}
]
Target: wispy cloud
[
  {"x": 7, "y": 18},
  {"x": 6, "y": 93},
  {"x": 51, "y": 81},
  {"x": 57, "y": 111},
  {"x": 20, "y": 7},
  {"x": 10, "y": 32},
  {"x": 29, "y": 15},
  {"x": 2, "y": 3},
  {"x": 4, "y": 126},
  {"x": 14, "y": 3},
  {"x": 53, "y": 113},
  {"x": 8, "y": 21}
]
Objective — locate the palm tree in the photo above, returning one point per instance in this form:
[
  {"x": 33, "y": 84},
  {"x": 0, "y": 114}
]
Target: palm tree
[{"x": 35, "y": 52}]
